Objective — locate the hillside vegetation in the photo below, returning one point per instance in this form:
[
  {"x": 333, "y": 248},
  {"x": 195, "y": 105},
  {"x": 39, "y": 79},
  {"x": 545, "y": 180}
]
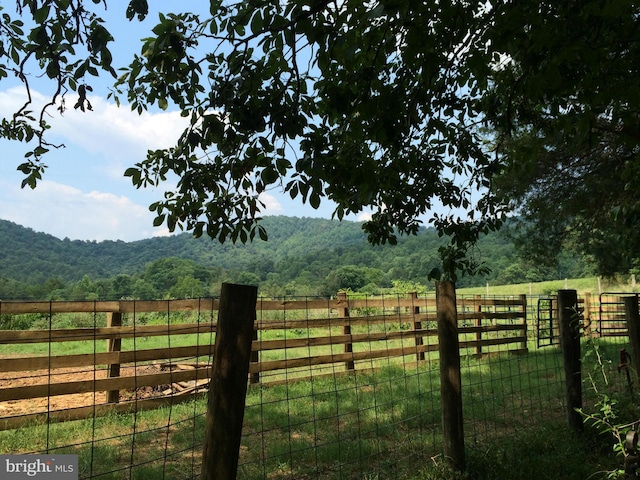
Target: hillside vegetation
[{"x": 303, "y": 256}]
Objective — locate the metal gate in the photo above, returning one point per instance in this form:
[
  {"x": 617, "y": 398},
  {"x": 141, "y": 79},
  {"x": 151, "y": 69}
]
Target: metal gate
[
  {"x": 547, "y": 327},
  {"x": 612, "y": 318}
]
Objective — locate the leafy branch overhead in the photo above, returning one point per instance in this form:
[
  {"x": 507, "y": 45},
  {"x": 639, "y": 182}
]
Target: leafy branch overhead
[
  {"x": 397, "y": 107},
  {"x": 62, "y": 41}
]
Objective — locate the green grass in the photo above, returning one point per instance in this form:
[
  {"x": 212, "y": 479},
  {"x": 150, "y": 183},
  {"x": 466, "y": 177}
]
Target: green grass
[
  {"x": 382, "y": 425},
  {"x": 582, "y": 285}
]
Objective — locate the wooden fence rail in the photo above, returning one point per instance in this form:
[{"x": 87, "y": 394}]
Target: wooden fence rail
[{"x": 293, "y": 339}]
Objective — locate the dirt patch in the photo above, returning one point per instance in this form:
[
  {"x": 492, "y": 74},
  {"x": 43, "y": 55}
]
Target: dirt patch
[{"x": 66, "y": 375}]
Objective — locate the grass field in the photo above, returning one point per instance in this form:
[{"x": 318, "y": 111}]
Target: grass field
[
  {"x": 582, "y": 285},
  {"x": 382, "y": 425},
  {"x": 373, "y": 426}
]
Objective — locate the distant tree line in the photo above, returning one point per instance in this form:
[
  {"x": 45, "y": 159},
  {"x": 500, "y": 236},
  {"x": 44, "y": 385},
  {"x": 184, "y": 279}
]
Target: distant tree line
[{"x": 302, "y": 257}]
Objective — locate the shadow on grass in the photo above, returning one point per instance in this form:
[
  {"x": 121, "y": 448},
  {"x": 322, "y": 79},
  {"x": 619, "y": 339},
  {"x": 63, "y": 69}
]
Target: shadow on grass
[{"x": 382, "y": 425}]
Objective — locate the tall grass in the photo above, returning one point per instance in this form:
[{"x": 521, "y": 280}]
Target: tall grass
[{"x": 383, "y": 424}]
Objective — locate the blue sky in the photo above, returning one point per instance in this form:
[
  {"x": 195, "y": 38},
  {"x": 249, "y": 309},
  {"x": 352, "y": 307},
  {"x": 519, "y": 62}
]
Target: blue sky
[{"x": 84, "y": 194}]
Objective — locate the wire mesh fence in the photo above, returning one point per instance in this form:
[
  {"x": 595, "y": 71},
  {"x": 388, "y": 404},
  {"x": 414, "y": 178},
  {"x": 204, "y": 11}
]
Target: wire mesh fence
[
  {"x": 374, "y": 415},
  {"x": 338, "y": 390}
]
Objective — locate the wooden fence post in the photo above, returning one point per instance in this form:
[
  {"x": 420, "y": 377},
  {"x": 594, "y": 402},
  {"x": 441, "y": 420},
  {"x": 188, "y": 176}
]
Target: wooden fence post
[
  {"x": 587, "y": 314},
  {"x": 346, "y": 330},
  {"x": 416, "y": 327},
  {"x": 114, "y": 319},
  {"x": 254, "y": 378},
  {"x": 523, "y": 301},
  {"x": 255, "y": 358},
  {"x": 477, "y": 303},
  {"x": 633, "y": 326},
  {"x": 450, "y": 378},
  {"x": 569, "y": 322},
  {"x": 228, "y": 387}
]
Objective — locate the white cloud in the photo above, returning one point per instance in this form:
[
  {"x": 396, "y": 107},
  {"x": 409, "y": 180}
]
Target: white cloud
[
  {"x": 271, "y": 205},
  {"x": 364, "y": 216},
  {"x": 65, "y": 211},
  {"x": 117, "y": 132},
  {"x": 13, "y": 98},
  {"x": 147, "y": 130},
  {"x": 84, "y": 194}
]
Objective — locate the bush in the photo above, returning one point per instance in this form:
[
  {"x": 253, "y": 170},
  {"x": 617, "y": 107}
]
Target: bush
[{"x": 16, "y": 322}]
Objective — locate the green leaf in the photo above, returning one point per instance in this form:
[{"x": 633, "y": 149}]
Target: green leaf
[
  {"x": 435, "y": 274},
  {"x": 256, "y": 23},
  {"x": 159, "y": 220},
  {"x": 314, "y": 200},
  {"x": 262, "y": 232},
  {"x": 139, "y": 8},
  {"x": 135, "y": 174},
  {"x": 42, "y": 13},
  {"x": 15, "y": 55},
  {"x": 269, "y": 175}
]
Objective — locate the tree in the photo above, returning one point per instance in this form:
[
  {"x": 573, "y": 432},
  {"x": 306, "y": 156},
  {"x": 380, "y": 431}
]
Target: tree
[
  {"x": 164, "y": 274},
  {"x": 369, "y": 104},
  {"x": 346, "y": 277},
  {"x": 121, "y": 286},
  {"x": 566, "y": 118},
  {"x": 187, "y": 287}
]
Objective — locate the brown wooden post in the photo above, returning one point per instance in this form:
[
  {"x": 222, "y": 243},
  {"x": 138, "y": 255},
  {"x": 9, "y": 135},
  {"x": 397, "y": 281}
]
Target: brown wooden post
[
  {"x": 255, "y": 358},
  {"x": 477, "y": 300},
  {"x": 523, "y": 301},
  {"x": 228, "y": 386},
  {"x": 254, "y": 378},
  {"x": 587, "y": 314},
  {"x": 416, "y": 327},
  {"x": 450, "y": 378},
  {"x": 346, "y": 329},
  {"x": 569, "y": 321},
  {"x": 555, "y": 326},
  {"x": 114, "y": 319},
  {"x": 633, "y": 327}
]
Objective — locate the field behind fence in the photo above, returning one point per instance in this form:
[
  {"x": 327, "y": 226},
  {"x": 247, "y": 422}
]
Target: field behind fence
[{"x": 342, "y": 388}]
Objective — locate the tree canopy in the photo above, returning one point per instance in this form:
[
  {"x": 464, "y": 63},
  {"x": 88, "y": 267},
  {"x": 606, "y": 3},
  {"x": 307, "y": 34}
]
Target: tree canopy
[
  {"x": 303, "y": 257},
  {"x": 567, "y": 127},
  {"x": 395, "y": 106}
]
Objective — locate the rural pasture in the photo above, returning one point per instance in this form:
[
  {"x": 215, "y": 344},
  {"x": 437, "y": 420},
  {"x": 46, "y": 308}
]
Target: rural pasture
[{"x": 325, "y": 404}]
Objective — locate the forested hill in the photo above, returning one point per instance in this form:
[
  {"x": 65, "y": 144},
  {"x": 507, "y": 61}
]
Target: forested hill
[
  {"x": 31, "y": 256},
  {"x": 299, "y": 250}
]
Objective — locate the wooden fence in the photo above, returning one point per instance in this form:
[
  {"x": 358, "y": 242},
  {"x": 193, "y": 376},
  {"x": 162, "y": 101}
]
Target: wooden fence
[{"x": 92, "y": 371}]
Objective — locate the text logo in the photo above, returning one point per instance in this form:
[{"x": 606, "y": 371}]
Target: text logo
[{"x": 49, "y": 467}]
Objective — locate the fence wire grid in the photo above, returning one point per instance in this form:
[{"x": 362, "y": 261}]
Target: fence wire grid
[{"x": 372, "y": 412}]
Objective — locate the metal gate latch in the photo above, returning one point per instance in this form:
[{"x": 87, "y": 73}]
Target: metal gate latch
[{"x": 633, "y": 457}]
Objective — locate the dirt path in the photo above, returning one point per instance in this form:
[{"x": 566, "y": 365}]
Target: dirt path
[{"x": 64, "y": 375}]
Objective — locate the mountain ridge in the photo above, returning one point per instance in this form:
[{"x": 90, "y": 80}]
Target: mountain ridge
[
  {"x": 30, "y": 256},
  {"x": 299, "y": 250}
]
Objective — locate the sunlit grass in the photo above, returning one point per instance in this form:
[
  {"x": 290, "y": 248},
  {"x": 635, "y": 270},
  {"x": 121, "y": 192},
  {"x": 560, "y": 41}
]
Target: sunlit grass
[
  {"x": 382, "y": 424},
  {"x": 581, "y": 285},
  {"x": 375, "y": 424}
]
